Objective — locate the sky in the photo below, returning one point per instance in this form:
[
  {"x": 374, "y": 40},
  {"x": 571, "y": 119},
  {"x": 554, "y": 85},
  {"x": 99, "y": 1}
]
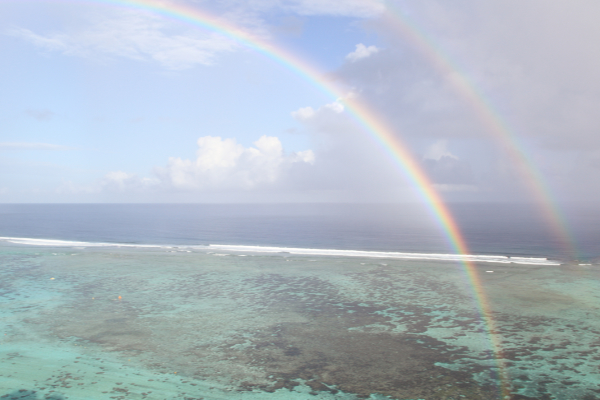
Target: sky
[{"x": 495, "y": 101}]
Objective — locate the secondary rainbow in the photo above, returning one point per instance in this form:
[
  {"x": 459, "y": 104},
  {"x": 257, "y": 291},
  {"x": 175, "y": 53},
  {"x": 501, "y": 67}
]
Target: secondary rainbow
[
  {"x": 489, "y": 116},
  {"x": 364, "y": 115}
]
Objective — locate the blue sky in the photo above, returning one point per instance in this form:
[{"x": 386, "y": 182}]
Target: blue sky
[{"x": 102, "y": 103}]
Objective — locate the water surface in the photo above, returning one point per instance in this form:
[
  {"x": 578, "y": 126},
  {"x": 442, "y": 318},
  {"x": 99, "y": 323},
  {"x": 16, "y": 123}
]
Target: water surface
[{"x": 169, "y": 317}]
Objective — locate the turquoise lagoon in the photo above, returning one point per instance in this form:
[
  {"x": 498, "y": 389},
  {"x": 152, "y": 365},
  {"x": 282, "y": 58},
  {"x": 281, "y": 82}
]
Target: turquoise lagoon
[{"x": 191, "y": 322}]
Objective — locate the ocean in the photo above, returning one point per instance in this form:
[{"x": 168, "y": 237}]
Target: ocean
[{"x": 306, "y": 301}]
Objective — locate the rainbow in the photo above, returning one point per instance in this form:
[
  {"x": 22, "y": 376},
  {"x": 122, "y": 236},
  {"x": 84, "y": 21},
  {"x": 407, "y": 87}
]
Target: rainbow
[
  {"x": 497, "y": 126},
  {"x": 365, "y": 116}
]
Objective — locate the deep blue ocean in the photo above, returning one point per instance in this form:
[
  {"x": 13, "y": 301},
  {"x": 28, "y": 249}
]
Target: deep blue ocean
[{"x": 497, "y": 229}]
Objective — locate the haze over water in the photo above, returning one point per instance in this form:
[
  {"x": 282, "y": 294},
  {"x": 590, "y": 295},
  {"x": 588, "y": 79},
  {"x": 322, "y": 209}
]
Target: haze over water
[{"x": 489, "y": 229}]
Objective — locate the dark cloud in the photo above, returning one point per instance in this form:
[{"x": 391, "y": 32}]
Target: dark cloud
[{"x": 523, "y": 78}]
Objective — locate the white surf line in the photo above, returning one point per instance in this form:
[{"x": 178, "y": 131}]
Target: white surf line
[
  {"x": 380, "y": 254},
  {"x": 295, "y": 250},
  {"x": 68, "y": 243}
]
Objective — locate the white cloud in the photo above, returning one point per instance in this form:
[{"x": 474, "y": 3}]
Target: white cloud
[
  {"x": 226, "y": 164},
  {"x": 438, "y": 150},
  {"x": 361, "y": 52},
  {"x": 307, "y": 113},
  {"x": 303, "y": 113},
  {"x": 336, "y": 107},
  {"x": 112, "y": 182},
  {"x": 120, "y": 181},
  {"x": 446, "y": 170},
  {"x": 146, "y": 37},
  {"x": 134, "y": 35},
  {"x": 221, "y": 167},
  {"x": 55, "y": 42}
]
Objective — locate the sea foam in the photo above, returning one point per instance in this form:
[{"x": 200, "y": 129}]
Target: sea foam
[
  {"x": 387, "y": 254},
  {"x": 296, "y": 251},
  {"x": 70, "y": 243}
]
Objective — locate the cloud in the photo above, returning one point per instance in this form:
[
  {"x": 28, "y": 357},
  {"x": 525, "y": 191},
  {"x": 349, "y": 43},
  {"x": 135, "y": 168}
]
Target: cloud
[
  {"x": 226, "y": 164},
  {"x": 351, "y": 167},
  {"x": 303, "y": 113},
  {"x": 502, "y": 79},
  {"x": 32, "y": 146},
  {"x": 143, "y": 36},
  {"x": 535, "y": 65},
  {"x": 134, "y": 35},
  {"x": 223, "y": 170},
  {"x": 309, "y": 113},
  {"x": 354, "y": 167},
  {"x": 361, "y": 52},
  {"x": 446, "y": 170},
  {"x": 407, "y": 91},
  {"x": 220, "y": 166},
  {"x": 438, "y": 150},
  {"x": 55, "y": 42},
  {"x": 119, "y": 181}
]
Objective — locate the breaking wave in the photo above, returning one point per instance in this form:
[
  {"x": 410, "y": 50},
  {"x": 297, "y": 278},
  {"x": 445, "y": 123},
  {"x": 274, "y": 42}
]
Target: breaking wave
[{"x": 296, "y": 251}]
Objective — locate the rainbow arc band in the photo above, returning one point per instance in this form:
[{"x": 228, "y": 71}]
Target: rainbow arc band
[
  {"x": 493, "y": 121},
  {"x": 365, "y": 116}
]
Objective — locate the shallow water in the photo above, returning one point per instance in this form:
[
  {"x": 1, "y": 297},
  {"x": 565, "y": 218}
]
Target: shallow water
[{"x": 168, "y": 323}]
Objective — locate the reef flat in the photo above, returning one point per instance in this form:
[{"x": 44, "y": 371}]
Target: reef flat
[{"x": 169, "y": 323}]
